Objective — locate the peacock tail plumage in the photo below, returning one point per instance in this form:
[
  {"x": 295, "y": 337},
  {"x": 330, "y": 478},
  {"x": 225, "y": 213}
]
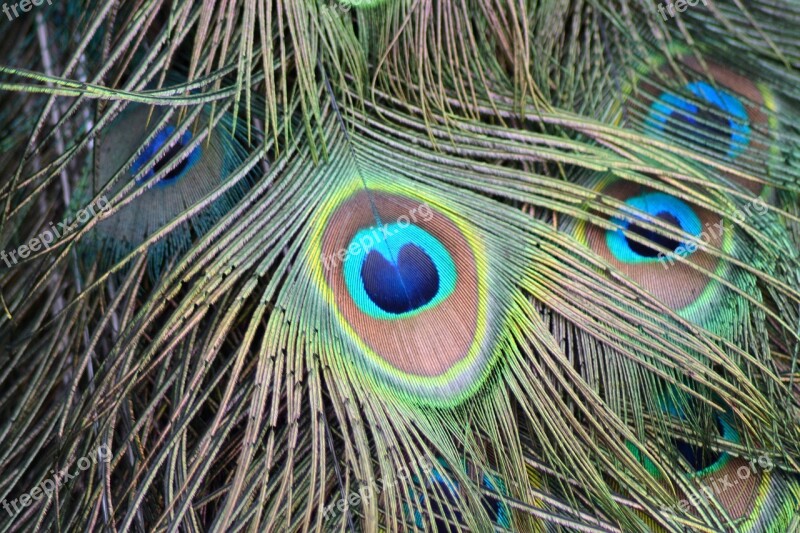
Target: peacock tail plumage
[{"x": 400, "y": 265}]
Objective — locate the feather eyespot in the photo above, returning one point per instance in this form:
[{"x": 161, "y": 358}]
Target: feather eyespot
[
  {"x": 152, "y": 149},
  {"x": 194, "y": 174},
  {"x": 440, "y": 484},
  {"x": 665, "y": 274},
  {"x": 660, "y": 206},
  {"x": 713, "y": 111},
  {"x": 497, "y": 510},
  {"x": 715, "y": 117},
  {"x": 700, "y": 458},
  {"x": 680, "y": 267},
  {"x": 746, "y": 489},
  {"x": 408, "y": 293}
]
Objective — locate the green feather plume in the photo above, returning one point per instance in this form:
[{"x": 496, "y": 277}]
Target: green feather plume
[{"x": 400, "y": 265}]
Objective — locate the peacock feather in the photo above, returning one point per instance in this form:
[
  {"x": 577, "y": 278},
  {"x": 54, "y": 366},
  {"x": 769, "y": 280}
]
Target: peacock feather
[
  {"x": 400, "y": 265},
  {"x": 174, "y": 171}
]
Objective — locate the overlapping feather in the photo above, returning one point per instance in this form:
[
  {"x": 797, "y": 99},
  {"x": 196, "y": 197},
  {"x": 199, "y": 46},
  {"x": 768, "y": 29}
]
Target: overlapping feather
[{"x": 226, "y": 385}]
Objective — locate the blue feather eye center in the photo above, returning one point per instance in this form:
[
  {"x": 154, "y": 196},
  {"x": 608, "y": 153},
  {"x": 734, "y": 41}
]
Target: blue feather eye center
[
  {"x": 660, "y": 206},
  {"x": 401, "y": 286},
  {"x": 716, "y": 118},
  {"x": 152, "y": 150},
  {"x": 666, "y": 242},
  {"x": 398, "y": 270},
  {"x": 701, "y": 458}
]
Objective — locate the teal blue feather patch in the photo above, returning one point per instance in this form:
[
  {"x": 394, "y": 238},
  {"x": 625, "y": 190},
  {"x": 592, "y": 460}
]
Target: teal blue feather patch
[
  {"x": 398, "y": 270},
  {"x": 498, "y": 511},
  {"x": 445, "y": 486},
  {"x": 702, "y": 459},
  {"x": 442, "y": 483},
  {"x": 658, "y": 205}
]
